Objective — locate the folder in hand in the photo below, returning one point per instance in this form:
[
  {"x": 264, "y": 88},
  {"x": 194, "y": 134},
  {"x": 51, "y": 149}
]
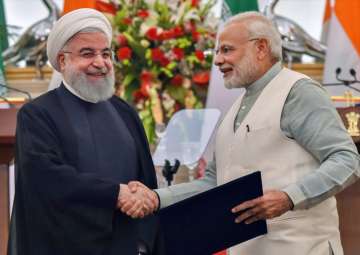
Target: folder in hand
[{"x": 204, "y": 224}]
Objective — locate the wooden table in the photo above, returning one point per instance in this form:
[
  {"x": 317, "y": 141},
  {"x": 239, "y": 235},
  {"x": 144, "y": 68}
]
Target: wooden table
[{"x": 7, "y": 141}]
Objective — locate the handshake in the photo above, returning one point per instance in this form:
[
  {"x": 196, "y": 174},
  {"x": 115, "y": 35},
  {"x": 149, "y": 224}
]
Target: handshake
[{"x": 137, "y": 200}]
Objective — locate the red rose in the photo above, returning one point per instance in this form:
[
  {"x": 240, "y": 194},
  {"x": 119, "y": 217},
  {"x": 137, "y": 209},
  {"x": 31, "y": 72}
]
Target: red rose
[
  {"x": 200, "y": 55},
  {"x": 146, "y": 76},
  {"x": 195, "y": 36},
  {"x": 201, "y": 78},
  {"x": 167, "y": 34},
  {"x": 121, "y": 39},
  {"x": 157, "y": 54},
  {"x": 152, "y": 34},
  {"x": 144, "y": 88},
  {"x": 124, "y": 53},
  {"x": 177, "y": 80},
  {"x": 127, "y": 21},
  {"x": 164, "y": 61},
  {"x": 178, "y": 31},
  {"x": 194, "y": 3},
  {"x": 138, "y": 95},
  {"x": 179, "y": 53},
  {"x": 143, "y": 14}
]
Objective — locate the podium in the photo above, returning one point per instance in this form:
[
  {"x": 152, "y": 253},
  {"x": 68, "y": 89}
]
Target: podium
[
  {"x": 348, "y": 201},
  {"x": 7, "y": 144}
]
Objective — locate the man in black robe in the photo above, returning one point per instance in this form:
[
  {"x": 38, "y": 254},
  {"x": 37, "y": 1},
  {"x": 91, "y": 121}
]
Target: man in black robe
[{"x": 76, "y": 149}]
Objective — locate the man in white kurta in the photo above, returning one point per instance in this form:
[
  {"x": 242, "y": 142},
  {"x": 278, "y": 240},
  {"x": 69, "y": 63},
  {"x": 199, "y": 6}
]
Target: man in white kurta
[{"x": 285, "y": 126}]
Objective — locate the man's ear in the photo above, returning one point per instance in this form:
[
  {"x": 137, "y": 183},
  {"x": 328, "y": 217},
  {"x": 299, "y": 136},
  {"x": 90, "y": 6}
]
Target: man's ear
[
  {"x": 262, "y": 48},
  {"x": 61, "y": 61}
]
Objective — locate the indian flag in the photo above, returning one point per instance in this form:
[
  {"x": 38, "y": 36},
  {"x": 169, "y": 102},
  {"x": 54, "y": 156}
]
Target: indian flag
[
  {"x": 326, "y": 22},
  {"x": 343, "y": 45},
  {"x": 70, "y": 5}
]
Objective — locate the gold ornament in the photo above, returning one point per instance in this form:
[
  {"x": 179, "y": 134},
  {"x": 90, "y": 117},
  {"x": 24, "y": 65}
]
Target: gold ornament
[{"x": 353, "y": 120}]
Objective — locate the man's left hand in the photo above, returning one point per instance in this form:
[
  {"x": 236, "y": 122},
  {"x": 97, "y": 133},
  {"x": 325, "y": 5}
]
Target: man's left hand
[{"x": 272, "y": 204}]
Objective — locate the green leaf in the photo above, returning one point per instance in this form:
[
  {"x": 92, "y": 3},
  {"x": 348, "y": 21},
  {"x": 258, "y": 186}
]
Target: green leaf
[
  {"x": 166, "y": 71},
  {"x": 128, "y": 79},
  {"x": 171, "y": 65},
  {"x": 178, "y": 93},
  {"x": 207, "y": 7},
  {"x": 136, "y": 46},
  {"x": 192, "y": 60},
  {"x": 128, "y": 93}
]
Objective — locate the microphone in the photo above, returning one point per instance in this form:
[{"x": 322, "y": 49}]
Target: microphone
[
  {"x": 353, "y": 74},
  {"x": 17, "y": 90},
  {"x": 338, "y": 71}
]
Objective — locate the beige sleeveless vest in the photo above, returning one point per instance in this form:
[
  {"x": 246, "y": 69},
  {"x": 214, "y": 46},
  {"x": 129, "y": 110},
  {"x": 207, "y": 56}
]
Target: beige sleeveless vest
[{"x": 259, "y": 144}]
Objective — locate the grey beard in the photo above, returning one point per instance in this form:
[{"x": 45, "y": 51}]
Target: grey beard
[
  {"x": 244, "y": 73},
  {"x": 92, "y": 91}
]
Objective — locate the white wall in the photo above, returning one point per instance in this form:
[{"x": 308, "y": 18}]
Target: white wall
[
  {"x": 307, "y": 13},
  {"x": 23, "y": 13}
]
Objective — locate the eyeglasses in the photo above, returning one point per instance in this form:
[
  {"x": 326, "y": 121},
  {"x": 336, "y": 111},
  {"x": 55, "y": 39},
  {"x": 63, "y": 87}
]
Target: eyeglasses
[
  {"x": 226, "y": 49},
  {"x": 89, "y": 54}
]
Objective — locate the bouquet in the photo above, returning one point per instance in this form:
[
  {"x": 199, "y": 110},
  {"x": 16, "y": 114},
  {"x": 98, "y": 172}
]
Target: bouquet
[{"x": 163, "y": 53}]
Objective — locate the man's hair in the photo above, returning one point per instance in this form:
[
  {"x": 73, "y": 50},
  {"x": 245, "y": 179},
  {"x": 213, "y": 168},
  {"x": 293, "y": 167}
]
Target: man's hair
[{"x": 259, "y": 26}]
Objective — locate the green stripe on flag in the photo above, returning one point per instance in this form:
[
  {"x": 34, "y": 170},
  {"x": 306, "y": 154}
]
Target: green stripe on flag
[
  {"x": 232, "y": 7},
  {"x": 3, "y": 43}
]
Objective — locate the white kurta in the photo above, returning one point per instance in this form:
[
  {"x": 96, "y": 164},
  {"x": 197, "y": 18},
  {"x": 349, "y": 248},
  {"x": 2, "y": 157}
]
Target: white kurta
[{"x": 259, "y": 144}]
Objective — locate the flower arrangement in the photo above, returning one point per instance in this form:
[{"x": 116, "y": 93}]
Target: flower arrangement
[{"x": 163, "y": 56}]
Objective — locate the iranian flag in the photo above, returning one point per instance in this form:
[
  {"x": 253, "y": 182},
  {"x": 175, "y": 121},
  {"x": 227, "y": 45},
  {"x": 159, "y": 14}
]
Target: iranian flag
[
  {"x": 232, "y": 7},
  {"x": 343, "y": 43},
  {"x": 3, "y": 44}
]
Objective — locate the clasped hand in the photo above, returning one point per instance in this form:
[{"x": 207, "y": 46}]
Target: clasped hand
[{"x": 137, "y": 200}]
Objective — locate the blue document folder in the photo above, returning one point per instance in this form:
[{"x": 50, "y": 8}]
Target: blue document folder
[{"x": 204, "y": 224}]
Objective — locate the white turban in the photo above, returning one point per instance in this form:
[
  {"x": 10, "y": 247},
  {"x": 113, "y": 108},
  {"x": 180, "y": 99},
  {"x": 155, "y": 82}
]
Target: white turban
[{"x": 70, "y": 24}]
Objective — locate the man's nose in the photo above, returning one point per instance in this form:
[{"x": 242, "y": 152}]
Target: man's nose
[
  {"x": 99, "y": 61},
  {"x": 219, "y": 59}
]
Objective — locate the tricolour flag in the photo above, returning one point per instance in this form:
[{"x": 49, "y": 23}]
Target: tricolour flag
[
  {"x": 326, "y": 21},
  {"x": 70, "y": 5},
  {"x": 343, "y": 45}
]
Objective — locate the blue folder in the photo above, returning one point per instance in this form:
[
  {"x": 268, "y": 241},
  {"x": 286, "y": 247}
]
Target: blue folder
[{"x": 204, "y": 224}]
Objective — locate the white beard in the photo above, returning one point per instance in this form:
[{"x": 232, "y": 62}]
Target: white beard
[
  {"x": 244, "y": 72},
  {"x": 93, "y": 91}
]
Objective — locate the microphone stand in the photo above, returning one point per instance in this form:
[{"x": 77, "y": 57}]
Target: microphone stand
[
  {"x": 11, "y": 105},
  {"x": 17, "y": 90},
  {"x": 169, "y": 171},
  {"x": 344, "y": 82}
]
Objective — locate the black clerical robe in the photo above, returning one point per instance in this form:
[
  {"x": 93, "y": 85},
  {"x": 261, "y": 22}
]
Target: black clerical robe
[{"x": 71, "y": 156}]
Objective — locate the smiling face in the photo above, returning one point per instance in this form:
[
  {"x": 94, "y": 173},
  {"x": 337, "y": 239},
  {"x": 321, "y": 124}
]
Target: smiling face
[
  {"x": 235, "y": 56},
  {"x": 239, "y": 57},
  {"x": 86, "y": 64}
]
